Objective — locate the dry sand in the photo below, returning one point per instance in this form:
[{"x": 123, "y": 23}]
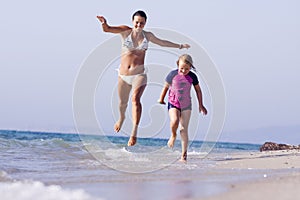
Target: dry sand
[
  {"x": 262, "y": 160},
  {"x": 282, "y": 186}
]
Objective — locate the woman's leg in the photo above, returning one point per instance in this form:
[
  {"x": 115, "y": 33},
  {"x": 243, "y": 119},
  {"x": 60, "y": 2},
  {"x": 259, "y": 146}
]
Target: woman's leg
[
  {"x": 139, "y": 85},
  {"x": 174, "y": 115},
  {"x": 123, "y": 91},
  {"x": 184, "y": 122}
]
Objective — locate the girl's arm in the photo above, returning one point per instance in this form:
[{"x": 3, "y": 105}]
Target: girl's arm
[
  {"x": 199, "y": 97},
  {"x": 165, "y": 43},
  {"x": 164, "y": 91},
  {"x": 112, "y": 29}
]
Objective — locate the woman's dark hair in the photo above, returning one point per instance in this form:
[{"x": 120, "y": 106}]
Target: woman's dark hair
[{"x": 140, "y": 13}]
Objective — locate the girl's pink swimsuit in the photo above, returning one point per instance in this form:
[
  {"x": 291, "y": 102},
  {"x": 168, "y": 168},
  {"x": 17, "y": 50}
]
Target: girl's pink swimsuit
[{"x": 180, "y": 87}]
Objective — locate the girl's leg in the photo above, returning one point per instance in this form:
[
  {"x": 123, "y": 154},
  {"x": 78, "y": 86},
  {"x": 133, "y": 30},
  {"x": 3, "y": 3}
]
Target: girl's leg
[
  {"x": 184, "y": 122},
  {"x": 139, "y": 85},
  {"x": 174, "y": 115},
  {"x": 123, "y": 91}
]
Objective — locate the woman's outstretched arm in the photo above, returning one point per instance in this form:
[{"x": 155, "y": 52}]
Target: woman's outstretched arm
[
  {"x": 165, "y": 43},
  {"x": 112, "y": 29}
]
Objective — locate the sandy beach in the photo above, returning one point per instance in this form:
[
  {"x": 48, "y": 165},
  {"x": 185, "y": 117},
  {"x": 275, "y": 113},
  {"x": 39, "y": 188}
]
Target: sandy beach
[{"x": 279, "y": 173}]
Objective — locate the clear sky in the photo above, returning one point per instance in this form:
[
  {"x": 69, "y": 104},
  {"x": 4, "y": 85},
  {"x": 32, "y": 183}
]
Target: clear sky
[{"x": 255, "y": 46}]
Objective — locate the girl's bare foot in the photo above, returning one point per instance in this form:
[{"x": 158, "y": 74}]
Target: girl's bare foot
[
  {"x": 131, "y": 141},
  {"x": 184, "y": 157},
  {"x": 171, "y": 141},
  {"x": 118, "y": 125}
]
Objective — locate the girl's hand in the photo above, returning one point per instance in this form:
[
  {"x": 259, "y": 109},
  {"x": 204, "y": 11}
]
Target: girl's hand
[
  {"x": 101, "y": 19},
  {"x": 161, "y": 101},
  {"x": 202, "y": 110}
]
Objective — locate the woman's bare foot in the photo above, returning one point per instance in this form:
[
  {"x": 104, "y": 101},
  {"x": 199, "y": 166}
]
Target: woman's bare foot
[
  {"x": 171, "y": 141},
  {"x": 118, "y": 125},
  {"x": 131, "y": 141}
]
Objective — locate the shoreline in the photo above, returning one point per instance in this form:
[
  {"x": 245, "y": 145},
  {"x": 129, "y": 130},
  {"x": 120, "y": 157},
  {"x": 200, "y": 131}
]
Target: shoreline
[{"x": 246, "y": 175}]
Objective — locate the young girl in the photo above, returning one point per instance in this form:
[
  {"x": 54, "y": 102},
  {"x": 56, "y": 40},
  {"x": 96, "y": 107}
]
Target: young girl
[{"x": 179, "y": 83}]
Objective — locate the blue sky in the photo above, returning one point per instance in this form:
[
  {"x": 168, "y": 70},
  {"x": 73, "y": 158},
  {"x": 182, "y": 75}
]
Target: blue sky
[{"x": 255, "y": 46}]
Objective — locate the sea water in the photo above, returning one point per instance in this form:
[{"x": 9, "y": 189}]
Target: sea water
[{"x": 40, "y": 165}]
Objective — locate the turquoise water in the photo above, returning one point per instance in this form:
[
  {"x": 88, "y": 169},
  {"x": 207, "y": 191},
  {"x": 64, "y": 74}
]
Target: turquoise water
[
  {"x": 71, "y": 138},
  {"x": 93, "y": 167}
]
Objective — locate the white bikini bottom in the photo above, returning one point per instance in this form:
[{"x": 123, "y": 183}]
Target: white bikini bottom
[{"x": 130, "y": 78}]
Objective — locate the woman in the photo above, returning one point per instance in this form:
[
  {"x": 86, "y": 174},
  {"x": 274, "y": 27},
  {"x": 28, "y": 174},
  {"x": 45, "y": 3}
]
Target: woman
[{"x": 132, "y": 74}]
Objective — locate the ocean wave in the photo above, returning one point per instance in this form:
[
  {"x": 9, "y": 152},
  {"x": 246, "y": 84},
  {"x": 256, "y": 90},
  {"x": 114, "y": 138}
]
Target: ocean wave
[
  {"x": 29, "y": 190},
  {"x": 4, "y": 176}
]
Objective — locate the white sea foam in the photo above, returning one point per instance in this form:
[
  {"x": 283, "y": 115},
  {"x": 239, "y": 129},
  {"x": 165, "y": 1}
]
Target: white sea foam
[
  {"x": 197, "y": 153},
  {"x": 31, "y": 190}
]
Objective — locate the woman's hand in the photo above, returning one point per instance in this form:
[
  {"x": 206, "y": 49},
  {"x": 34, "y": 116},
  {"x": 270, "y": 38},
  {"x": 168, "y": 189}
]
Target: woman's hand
[
  {"x": 101, "y": 19},
  {"x": 184, "y": 46}
]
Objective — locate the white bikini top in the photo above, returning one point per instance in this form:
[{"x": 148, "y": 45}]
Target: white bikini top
[{"x": 128, "y": 43}]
